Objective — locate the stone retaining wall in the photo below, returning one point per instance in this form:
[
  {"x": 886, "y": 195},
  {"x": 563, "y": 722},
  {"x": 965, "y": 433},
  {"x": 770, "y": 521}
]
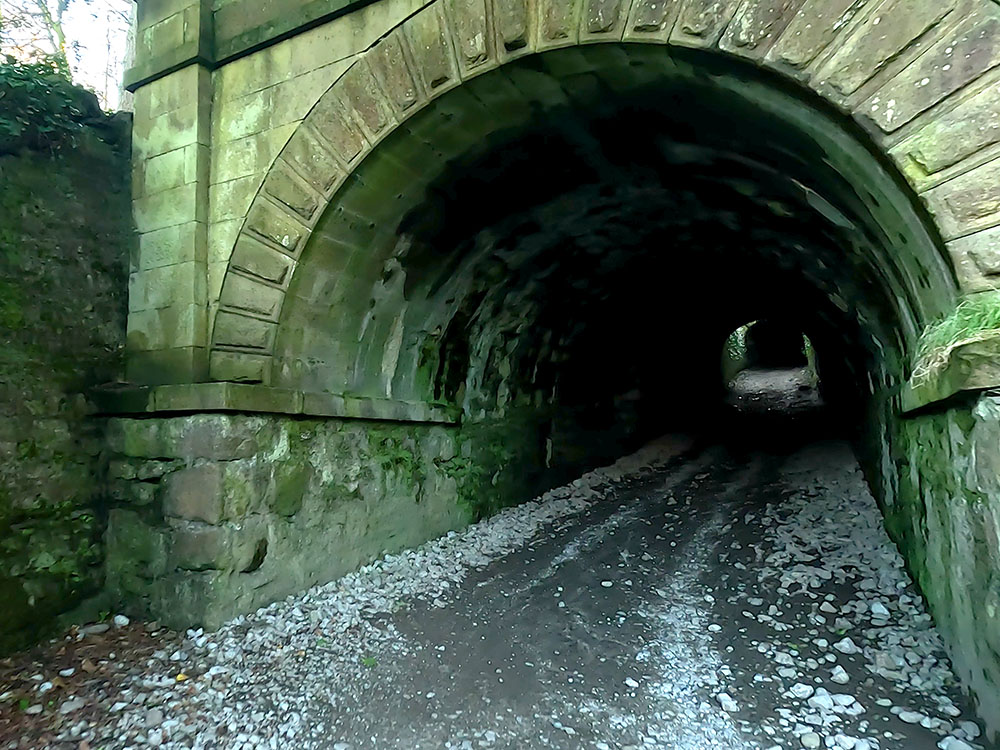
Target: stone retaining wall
[
  {"x": 944, "y": 514},
  {"x": 216, "y": 515}
]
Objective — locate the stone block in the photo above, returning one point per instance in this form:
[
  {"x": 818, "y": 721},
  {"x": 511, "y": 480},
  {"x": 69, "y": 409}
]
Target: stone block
[
  {"x": 292, "y": 480},
  {"x": 345, "y": 137},
  {"x": 602, "y": 18},
  {"x": 976, "y": 258},
  {"x": 391, "y": 68},
  {"x": 260, "y": 261},
  {"x": 972, "y": 126},
  {"x": 559, "y": 22},
  {"x": 967, "y": 203},
  {"x": 177, "y": 285},
  {"x": 240, "y": 367},
  {"x": 814, "y": 27},
  {"x": 291, "y": 191},
  {"x": 235, "y": 330},
  {"x": 135, "y": 547},
  {"x": 198, "y": 546},
  {"x": 959, "y": 58},
  {"x": 985, "y": 437},
  {"x": 216, "y": 437},
  {"x": 134, "y": 438},
  {"x": 162, "y": 37},
  {"x": 269, "y": 222},
  {"x": 183, "y": 88},
  {"x": 166, "y": 327},
  {"x": 359, "y": 91},
  {"x": 180, "y": 243},
  {"x": 651, "y": 19},
  {"x": 757, "y": 25},
  {"x": 194, "y": 494},
  {"x": 431, "y": 47},
  {"x": 190, "y": 599},
  {"x": 249, "y": 155},
  {"x": 887, "y": 34},
  {"x": 178, "y": 205},
  {"x": 230, "y": 200},
  {"x": 311, "y": 158},
  {"x": 243, "y": 293},
  {"x": 700, "y": 23},
  {"x": 180, "y": 127}
]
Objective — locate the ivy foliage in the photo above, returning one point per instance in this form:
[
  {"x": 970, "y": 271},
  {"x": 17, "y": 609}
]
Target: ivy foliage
[{"x": 40, "y": 108}]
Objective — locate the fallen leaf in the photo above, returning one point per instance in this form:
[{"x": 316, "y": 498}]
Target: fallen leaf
[
  {"x": 181, "y": 677},
  {"x": 88, "y": 666},
  {"x": 84, "y": 745}
]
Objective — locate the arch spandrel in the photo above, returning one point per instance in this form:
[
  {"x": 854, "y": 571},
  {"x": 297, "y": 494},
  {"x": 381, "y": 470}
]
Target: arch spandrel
[{"x": 449, "y": 42}]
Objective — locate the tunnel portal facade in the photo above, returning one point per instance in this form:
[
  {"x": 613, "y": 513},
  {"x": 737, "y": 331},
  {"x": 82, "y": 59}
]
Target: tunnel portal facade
[{"x": 401, "y": 263}]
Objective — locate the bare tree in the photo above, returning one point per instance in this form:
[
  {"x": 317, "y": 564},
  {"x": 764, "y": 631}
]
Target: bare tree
[
  {"x": 85, "y": 39},
  {"x": 35, "y": 29}
]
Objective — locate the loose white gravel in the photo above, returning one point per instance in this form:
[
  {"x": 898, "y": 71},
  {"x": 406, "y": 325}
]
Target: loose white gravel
[
  {"x": 259, "y": 672},
  {"x": 263, "y": 679}
]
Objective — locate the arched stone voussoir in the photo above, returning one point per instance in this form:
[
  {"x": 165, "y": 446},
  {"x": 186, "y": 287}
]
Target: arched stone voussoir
[{"x": 853, "y": 53}]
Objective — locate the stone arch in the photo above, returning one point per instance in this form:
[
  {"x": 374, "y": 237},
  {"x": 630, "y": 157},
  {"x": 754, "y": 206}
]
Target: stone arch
[{"x": 920, "y": 78}]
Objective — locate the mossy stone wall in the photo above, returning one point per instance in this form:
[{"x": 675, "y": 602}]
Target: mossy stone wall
[
  {"x": 65, "y": 232},
  {"x": 217, "y": 514},
  {"x": 943, "y": 510}
]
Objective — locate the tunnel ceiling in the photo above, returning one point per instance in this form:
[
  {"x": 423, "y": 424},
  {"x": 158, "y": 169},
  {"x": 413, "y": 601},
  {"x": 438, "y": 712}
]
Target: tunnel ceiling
[{"x": 589, "y": 219}]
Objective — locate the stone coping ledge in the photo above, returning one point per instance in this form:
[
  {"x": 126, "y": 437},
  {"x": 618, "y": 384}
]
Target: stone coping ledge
[
  {"x": 243, "y": 397},
  {"x": 973, "y": 366}
]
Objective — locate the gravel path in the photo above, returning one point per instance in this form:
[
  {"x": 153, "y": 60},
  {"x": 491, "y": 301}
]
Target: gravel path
[{"x": 683, "y": 599}]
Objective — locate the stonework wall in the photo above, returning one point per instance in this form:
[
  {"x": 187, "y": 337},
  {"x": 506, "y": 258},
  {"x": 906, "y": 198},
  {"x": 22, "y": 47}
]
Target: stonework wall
[
  {"x": 65, "y": 236},
  {"x": 203, "y": 142},
  {"x": 215, "y": 515},
  {"x": 945, "y": 516}
]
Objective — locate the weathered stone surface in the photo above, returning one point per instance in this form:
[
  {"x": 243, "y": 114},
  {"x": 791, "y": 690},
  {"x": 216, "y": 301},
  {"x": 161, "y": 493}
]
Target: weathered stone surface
[
  {"x": 472, "y": 33},
  {"x": 602, "y": 16},
  {"x": 258, "y": 260},
  {"x": 559, "y": 22},
  {"x": 513, "y": 25},
  {"x": 431, "y": 47},
  {"x": 242, "y": 293},
  {"x": 969, "y": 128},
  {"x": 289, "y": 190},
  {"x": 701, "y": 22},
  {"x": 236, "y": 330},
  {"x": 240, "y": 367},
  {"x": 886, "y": 34},
  {"x": 977, "y": 260},
  {"x": 967, "y": 203},
  {"x": 269, "y": 222},
  {"x": 314, "y": 499},
  {"x": 814, "y": 27},
  {"x": 959, "y": 58},
  {"x": 389, "y": 65},
  {"x": 946, "y": 522},
  {"x": 757, "y": 25},
  {"x": 651, "y": 17},
  {"x": 194, "y": 494},
  {"x": 312, "y": 160}
]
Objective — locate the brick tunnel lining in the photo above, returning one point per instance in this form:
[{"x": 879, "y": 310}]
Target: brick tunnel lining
[{"x": 579, "y": 231}]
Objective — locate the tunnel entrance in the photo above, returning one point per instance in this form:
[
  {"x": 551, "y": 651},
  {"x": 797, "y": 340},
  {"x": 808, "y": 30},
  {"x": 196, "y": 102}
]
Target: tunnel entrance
[{"x": 560, "y": 247}]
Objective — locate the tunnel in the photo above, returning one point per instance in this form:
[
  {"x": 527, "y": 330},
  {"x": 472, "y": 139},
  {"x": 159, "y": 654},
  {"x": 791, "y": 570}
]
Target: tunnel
[{"x": 560, "y": 247}]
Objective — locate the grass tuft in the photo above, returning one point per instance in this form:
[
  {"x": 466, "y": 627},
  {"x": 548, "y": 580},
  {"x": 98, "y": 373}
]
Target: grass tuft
[{"x": 975, "y": 318}]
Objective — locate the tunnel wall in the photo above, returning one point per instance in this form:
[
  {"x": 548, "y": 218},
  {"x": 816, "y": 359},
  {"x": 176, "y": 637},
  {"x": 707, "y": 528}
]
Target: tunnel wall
[
  {"x": 940, "y": 491},
  {"x": 214, "y": 515},
  {"x": 65, "y": 237},
  {"x": 212, "y": 125}
]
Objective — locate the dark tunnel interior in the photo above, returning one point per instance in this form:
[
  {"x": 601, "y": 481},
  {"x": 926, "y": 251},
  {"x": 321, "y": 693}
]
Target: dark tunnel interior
[{"x": 574, "y": 237}]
